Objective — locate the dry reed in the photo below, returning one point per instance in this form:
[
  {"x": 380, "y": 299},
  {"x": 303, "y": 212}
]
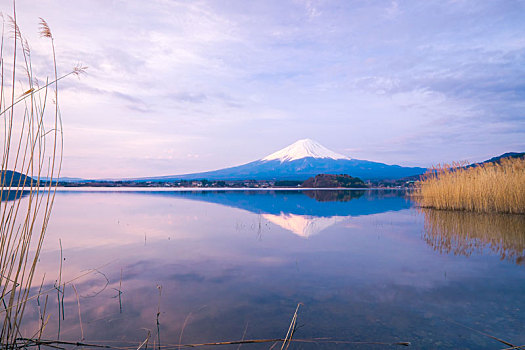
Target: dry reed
[
  {"x": 314, "y": 341},
  {"x": 490, "y": 188},
  {"x": 31, "y": 161}
]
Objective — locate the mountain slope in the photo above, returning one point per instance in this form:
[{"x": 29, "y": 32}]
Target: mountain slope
[
  {"x": 299, "y": 161},
  {"x": 13, "y": 178},
  {"x": 503, "y": 156}
]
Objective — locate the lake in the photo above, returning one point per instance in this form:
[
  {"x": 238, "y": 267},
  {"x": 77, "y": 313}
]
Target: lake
[{"x": 206, "y": 266}]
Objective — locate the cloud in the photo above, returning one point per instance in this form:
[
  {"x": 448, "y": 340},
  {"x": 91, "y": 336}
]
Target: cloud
[
  {"x": 393, "y": 10},
  {"x": 189, "y": 97},
  {"x": 383, "y": 78}
]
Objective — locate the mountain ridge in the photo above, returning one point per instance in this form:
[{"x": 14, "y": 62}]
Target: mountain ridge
[
  {"x": 304, "y": 163},
  {"x": 299, "y": 161},
  {"x": 498, "y": 159}
]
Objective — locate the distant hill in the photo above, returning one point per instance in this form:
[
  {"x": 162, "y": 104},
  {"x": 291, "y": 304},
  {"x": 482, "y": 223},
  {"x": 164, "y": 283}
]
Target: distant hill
[
  {"x": 19, "y": 178},
  {"x": 65, "y": 179},
  {"x": 12, "y": 177},
  {"x": 413, "y": 178},
  {"x": 504, "y": 155}
]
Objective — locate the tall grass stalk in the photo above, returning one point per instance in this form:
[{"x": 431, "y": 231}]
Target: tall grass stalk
[
  {"x": 31, "y": 151},
  {"x": 489, "y": 188}
]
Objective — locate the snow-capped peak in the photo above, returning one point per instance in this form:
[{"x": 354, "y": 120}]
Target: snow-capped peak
[{"x": 302, "y": 149}]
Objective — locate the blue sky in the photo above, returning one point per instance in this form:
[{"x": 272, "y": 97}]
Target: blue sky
[{"x": 185, "y": 86}]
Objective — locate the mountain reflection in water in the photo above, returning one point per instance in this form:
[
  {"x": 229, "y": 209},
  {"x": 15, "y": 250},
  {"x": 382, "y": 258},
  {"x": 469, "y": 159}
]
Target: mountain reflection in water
[
  {"x": 303, "y": 225},
  {"x": 319, "y": 203},
  {"x": 305, "y": 212},
  {"x": 464, "y": 233}
]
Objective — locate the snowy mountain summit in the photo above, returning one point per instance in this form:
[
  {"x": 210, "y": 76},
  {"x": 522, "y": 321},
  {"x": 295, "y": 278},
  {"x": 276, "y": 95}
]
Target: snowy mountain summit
[
  {"x": 300, "y": 161},
  {"x": 303, "y": 149}
]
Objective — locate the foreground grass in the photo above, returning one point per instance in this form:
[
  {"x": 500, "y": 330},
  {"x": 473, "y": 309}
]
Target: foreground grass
[
  {"x": 489, "y": 188},
  {"x": 31, "y": 146}
]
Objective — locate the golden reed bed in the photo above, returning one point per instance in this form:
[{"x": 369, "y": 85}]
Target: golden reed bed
[{"x": 488, "y": 188}]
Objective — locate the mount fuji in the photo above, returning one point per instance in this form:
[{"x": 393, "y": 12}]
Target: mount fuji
[{"x": 299, "y": 161}]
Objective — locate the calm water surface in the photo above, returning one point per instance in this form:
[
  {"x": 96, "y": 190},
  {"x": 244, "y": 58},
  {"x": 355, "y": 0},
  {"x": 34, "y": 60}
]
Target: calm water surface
[{"x": 223, "y": 265}]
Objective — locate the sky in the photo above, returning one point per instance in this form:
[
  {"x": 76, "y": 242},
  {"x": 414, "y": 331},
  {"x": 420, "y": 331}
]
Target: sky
[{"x": 177, "y": 87}]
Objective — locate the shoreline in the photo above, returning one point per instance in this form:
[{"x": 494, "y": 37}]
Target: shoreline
[{"x": 205, "y": 189}]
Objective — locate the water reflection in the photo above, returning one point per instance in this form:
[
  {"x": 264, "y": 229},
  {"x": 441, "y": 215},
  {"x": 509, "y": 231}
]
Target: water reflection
[
  {"x": 365, "y": 278},
  {"x": 11, "y": 195},
  {"x": 334, "y": 195},
  {"x": 303, "y": 225},
  {"x": 464, "y": 233},
  {"x": 308, "y": 212},
  {"x": 316, "y": 203}
]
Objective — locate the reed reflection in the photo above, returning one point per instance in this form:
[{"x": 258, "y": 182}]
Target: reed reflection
[{"x": 466, "y": 233}]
